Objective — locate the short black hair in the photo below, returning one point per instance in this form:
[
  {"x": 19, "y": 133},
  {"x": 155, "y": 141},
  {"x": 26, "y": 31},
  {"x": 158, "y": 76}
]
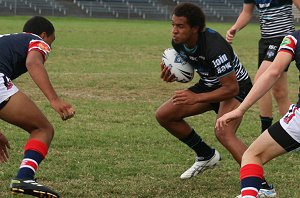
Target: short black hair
[
  {"x": 37, "y": 25},
  {"x": 193, "y": 13}
]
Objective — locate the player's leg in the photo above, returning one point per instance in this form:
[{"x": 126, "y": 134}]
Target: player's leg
[
  {"x": 171, "y": 117},
  {"x": 280, "y": 93},
  {"x": 22, "y": 112},
  {"x": 227, "y": 137},
  {"x": 263, "y": 149},
  {"x": 282, "y": 137}
]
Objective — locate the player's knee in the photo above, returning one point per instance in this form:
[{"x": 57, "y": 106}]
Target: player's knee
[
  {"x": 280, "y": 93},
  {"x": 44, "y": 130},
  {"x": 165, "y": 117},
  {"x": 161, "y": 116},
  {"x": 221, "y": 135}
]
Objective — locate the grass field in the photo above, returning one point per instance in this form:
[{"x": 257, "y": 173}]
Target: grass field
[{"x": 113, "y": 147}]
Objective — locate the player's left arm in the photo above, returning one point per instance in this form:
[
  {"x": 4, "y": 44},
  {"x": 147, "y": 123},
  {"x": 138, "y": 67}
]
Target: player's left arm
[{"x": 37, "y": 71}]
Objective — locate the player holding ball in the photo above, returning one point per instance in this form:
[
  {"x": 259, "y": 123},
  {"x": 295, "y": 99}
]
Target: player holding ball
[{"x": 223, "y": 85}]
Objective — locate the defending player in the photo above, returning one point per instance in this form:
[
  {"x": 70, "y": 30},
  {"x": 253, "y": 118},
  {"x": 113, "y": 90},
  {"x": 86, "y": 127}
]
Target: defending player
[
  {"x": 284, "y": 135},
  {"x": 20, "y": 53}
]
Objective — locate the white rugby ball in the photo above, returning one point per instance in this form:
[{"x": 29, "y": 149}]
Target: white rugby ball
[{"x": 181, "y": 69}]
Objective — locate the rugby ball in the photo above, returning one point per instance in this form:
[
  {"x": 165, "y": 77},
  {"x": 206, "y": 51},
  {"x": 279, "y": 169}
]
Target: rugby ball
[{"x": 181, "y": 69}]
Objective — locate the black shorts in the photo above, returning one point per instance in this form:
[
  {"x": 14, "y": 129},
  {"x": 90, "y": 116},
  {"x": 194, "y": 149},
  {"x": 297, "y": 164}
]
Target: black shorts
[
  {"x": 244, "y": 86},
  {"x": 282, "y": 137},
  {"x": 267, "y": 49}
]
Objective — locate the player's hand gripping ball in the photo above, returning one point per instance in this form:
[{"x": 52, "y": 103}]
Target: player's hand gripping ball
[{"x": 182, "y": 70}]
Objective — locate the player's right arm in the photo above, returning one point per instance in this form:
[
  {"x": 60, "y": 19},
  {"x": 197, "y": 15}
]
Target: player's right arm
[
  {"x": 38, "y": 73},
  {"x": 165, "y": 73},
  {"x": 243, "y": 19}
]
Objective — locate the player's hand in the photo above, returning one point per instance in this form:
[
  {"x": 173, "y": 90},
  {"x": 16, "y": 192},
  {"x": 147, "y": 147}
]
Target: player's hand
[
  {"x": 166, "y": 73},
  {"x": 184, "y": 97},
  {"x": 228, "y": 117},
  {"x": 4, "y": 146},
  {"x": 230, "y": 35},
  {"x": 65, "y": 110}
]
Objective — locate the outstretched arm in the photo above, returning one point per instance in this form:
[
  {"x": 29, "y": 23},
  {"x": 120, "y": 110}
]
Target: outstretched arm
[
  {"x": 38, "y": 73},
  {"x": 259, "y": 89}
]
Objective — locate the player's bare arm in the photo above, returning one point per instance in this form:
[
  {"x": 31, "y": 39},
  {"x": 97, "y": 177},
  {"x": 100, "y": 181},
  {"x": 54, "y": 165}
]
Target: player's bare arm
[
  {"x": 243, "y": 19},
  {"x": 259, "y": 89},
  {"x": 37, "y": 71}
]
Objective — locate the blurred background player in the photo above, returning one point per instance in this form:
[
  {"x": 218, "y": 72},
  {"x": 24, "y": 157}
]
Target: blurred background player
[
  {"x": 20, "y": 53},
  {"x": 223, "y": 85},
  {"x": 284, "y": 135},
  {"x": 276, "y": 21}
]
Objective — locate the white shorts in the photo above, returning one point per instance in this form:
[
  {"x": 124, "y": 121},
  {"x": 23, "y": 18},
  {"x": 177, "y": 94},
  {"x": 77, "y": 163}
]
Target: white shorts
[
  {"x": 286, "y": 131},
  {"x": 7, "y": 88}
]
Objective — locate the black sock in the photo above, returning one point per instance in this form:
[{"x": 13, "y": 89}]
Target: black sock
[
  {"x": 265, "y": 185},
  {"x": 266, "y": 122},
  {"x": 195, "y": 142}
]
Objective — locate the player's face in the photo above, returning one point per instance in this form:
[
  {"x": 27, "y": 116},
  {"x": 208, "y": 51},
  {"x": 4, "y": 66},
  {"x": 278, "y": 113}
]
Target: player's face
[{"x": 182, "y": 32}]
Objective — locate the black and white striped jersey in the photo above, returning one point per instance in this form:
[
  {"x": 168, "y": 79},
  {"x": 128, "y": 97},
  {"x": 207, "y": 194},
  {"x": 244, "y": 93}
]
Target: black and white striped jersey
[
  {"x": 275, "y": 17},
  {"x": 212, "y": 58}
]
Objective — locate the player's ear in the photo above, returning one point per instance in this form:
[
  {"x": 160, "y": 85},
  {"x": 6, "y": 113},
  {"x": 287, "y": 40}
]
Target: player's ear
[
  {"x": 196, "y": 29},
  {"x": 43, "y": 35}
]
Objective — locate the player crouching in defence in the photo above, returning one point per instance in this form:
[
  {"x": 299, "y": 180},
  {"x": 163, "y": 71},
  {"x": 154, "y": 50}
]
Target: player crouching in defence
[
  {"x": 283, "y": 136},
  {"x": 20, "y": 53},
  {"x": 223, "y": 85}
]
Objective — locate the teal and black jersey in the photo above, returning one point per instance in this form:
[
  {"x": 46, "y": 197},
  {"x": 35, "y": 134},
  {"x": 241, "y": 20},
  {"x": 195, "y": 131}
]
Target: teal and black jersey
[
  {"x": 212, "y": 58},
  {"x": 275, "y": 17}
]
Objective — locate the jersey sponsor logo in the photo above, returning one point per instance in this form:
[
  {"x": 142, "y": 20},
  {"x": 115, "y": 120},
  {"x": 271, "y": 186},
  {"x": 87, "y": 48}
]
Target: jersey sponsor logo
[
  {"x": 289, "y": 43},
  {"x": 285, "y": 41},
  {"x": 272, "y": 47},
  {"x": 223, "y": 68},
  {"x": 193, "y": 58},
  {"x": 220, "y": 60},
  {"x": 264, "y": 3},
  {"x": 202, "y": 57}
]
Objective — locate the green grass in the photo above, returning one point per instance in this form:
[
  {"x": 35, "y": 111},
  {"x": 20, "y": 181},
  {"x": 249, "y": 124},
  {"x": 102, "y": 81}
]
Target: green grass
[{"x": 109, "y": 70}]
